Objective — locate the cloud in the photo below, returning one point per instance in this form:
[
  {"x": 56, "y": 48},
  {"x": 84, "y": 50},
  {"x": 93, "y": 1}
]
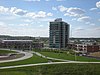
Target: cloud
[
  {"x": 12, "y": 10},
  {"x": 31, "y": 0},
  {"x": 98, "y": 4},
  {"x": 79, "y": 29},
  {"x": 54, "y": 8},
  {"x": 2, "y": 24},
  {"x": 74, "y": 19},
  {"x": 72, "y": 11},
  {"x": 47, "y": 0},
  {"x": 40, "y": 25},
  {"x": 62, "y": 8},
  {"x": 92, "y": 24},
  {"x": 40, "y": 14},
  {"x": 30, "y": 14},
  {"x": 24, "y": 13},
  {"x": 60, "y": 0},
  {"x": 27, "y": 20},
  {"x": 87, "y": 23},
  {"x": 24, "y": 24},
  {"x": 97, "y": 28},
  {"x": 98, "y": 19},
  {"x": 92, "y": 9},
  {"x": 3, "y": 9},
  {"x": 17, "y": 11},
  {"x": 49, "y": 14},
  {"x": 84, "y": 19}
]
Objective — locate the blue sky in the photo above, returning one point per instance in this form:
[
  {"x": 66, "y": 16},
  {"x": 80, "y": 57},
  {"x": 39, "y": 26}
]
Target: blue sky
[{"x": 32, "y": 17}]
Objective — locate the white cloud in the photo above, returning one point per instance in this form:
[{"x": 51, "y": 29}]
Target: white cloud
[
  {"x": 79, "y": 29},
  {"x": 72, "y": 11},
  {"x": 40, "y": 14},
  {"x": 2, "y": 24},
  {"x": 31, "y": 0},
  {"x": 27, "y": 20},
  {"x": 93, "y": 9},
  {"x": 24, "y": 13},
  {"x": 17, "y": 11},
  {"x": 40, "y": 25},
  {"x": 74, "y": 19},
  {"x": 87, "y": 23},
  {"x": 98, "y": 4},
  {"x": 54, "y": 8},
  {"x": 24, "y": 24},
  {"x": 62, "y": 8},
  {"x": 49, "y": 14},
  {"x": 60, "y": 0},
  {"x": 30, "y": 14},
  {"x": 92, "y": 24},
  {"x": 47, "y": 0},
  {"x": 12, "y": 10},
  {"x": 3, "y": 9},
  {"x": 98, "y": 19},
  {"x": 84, "y": 19}
]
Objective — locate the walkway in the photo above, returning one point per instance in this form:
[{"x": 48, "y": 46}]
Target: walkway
[
  {"x": 37, "y": 53},
  {"x": 8, "y": 67},
  {"x": 27, "y": 55}
]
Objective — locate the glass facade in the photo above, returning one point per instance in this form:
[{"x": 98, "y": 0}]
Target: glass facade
[{"x": 58, "y": 34}]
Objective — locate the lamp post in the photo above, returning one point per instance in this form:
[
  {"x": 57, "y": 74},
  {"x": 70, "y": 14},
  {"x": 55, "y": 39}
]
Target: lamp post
[{"x": 75, "y": 56}]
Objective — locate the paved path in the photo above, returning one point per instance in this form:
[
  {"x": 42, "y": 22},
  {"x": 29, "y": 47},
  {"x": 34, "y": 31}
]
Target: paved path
[
  {"x": 8, "y": 67},
  {"x": 39, "y": 54},
  {"x": 27, "y": 55}
]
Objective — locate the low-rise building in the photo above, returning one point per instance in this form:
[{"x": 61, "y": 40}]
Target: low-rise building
[
  {"x": 85, "y": 48},
  {"x": 16, "y": 44},
  {"x": 38, "y": 45}
]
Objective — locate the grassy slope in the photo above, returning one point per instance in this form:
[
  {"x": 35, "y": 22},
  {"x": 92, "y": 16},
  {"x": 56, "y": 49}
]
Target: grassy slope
[
  {"x": 68, "y": 56},
  {"x": 58, "y": 69},
  {"x": 32, "y": 60}
]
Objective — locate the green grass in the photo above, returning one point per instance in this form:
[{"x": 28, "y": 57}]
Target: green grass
[
  {"x": 58, "y": 69},
  {"x": 66, "y": 56},
  {"x": 6, "y": 51},
  {"x": 33, "y": 60}
]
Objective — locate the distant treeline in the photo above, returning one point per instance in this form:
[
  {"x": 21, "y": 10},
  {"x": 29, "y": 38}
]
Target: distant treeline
[{"x": 41, "y": 38}]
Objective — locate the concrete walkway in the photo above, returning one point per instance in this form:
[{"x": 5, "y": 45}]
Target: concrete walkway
[
  {"x": 8, "y": 67},
  {"x": 27, "y": 55},
  {"x": 39, "y": 54}
]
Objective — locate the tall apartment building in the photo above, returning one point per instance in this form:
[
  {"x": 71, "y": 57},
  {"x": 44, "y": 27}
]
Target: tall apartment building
[{"x": 58, "y": 34}]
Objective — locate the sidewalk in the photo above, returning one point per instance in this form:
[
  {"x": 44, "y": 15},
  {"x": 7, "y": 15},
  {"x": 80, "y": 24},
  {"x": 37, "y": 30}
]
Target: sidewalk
[{"x": 27, "y": 55}]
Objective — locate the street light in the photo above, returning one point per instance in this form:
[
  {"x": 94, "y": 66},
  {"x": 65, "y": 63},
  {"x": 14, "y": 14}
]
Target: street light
[{"x": 75, "y": 56}]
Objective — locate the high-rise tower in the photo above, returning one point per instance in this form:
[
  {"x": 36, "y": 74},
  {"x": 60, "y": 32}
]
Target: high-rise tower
[{"x": 58, "y": 34}]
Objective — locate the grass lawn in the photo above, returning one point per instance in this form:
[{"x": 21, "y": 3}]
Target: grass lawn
[
  {"x": 68, "y": 56},
  {"x": 58, "y": 69},
  {"x": 32, "y": 60},
  {"x": 6, "y": 51}
]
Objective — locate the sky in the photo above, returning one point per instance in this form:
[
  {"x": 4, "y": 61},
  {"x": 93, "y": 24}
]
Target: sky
[{"x": 32, "y": 17}]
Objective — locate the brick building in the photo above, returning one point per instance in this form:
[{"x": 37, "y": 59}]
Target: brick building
[{"x": 85, "y": 48}]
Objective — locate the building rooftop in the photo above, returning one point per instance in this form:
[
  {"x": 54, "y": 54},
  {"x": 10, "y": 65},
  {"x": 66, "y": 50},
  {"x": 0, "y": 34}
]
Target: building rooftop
[
  {"x": 58, "y": 20},
  {"x": 17, "y": 40}
]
